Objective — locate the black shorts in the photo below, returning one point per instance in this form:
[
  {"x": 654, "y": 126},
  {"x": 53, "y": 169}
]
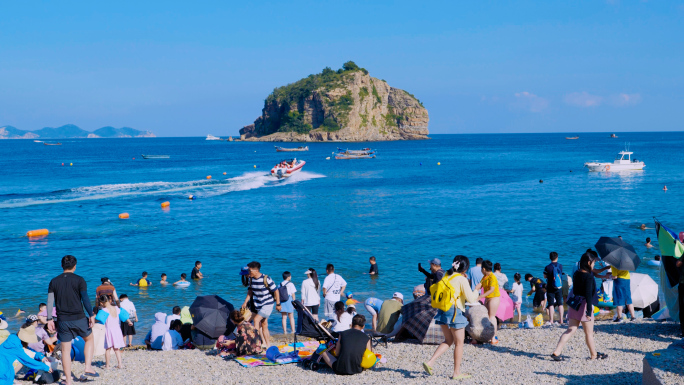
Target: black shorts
[
  {"x": 313, "y": 309},
  {"x": 127, "y": 330},
  {"x": 68, "y": 330},
  {"x": 538, "y": 299},
  {"x": 555, "y": 298}
]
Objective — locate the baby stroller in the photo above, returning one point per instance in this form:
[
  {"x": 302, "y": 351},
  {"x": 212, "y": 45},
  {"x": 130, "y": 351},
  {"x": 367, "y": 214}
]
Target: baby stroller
[{"x": 308, "y": 327}]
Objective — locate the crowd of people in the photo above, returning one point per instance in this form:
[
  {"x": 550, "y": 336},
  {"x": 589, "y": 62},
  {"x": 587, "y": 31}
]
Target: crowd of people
[{"x": 69, "y": 318}]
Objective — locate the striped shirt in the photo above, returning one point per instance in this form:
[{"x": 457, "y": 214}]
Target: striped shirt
[{"x": 260, "y": 293}]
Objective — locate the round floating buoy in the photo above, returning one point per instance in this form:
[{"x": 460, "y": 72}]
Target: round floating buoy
[
  {"x": 328, "y": 158},
  {"x": 224, "y": 173},
  {"x": 62, "y": 164},
  {"x": 208, "y": 176},
  {"x": 165, "y": 204},
  {"x": 133, "y": 158},
  {"x": 255, "y": 164},
  {"x": 71, "y": 164},
  {"x": 191, "y": 197},
  {"x": 123, "y": 216},
  {"x": 37, "y": 233},
  {"x": 438, "y": 163}
]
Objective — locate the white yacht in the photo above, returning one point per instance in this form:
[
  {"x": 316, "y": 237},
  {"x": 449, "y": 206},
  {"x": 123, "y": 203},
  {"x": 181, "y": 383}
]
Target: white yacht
[
  {"x": 212, "y": 137},
  {"x": 623, "y": 162}
]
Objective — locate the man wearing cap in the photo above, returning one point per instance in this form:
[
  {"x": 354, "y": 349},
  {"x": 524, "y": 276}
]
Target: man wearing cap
[
  {"x": 389, "y": 313},
  {"x": 434, "y": 275},
  {"x": 107, "y": 288}
]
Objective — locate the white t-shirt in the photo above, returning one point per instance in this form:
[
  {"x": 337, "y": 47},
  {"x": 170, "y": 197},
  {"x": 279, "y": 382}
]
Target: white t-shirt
[
  {"x": 333, "y": 286},
  {"x": 343, "y": 324},
  {"x": 517, "y": 289},
  {"x": 170, "y": 318},
  {"x": 310, "y": 296},
  {"x": 291, "y": 289}
]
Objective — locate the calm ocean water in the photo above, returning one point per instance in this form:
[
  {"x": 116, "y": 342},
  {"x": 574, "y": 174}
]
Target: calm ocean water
[{"x": 484, "y": 200}]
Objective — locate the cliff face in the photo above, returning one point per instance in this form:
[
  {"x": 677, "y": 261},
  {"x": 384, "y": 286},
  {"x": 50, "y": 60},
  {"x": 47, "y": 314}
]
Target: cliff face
[{"x": 347, "y": 105}]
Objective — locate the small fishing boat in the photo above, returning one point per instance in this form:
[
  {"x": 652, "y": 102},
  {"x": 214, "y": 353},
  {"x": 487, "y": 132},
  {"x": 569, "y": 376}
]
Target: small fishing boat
[
  {"x": 212, "y": 137},
  {"x": 363, "y": 151},
  {"x": 355, "y": 156},
  {"x": 571, "y": 137},
  {"x": 285, "y": 149},
  {"x": 286, "y": 168},
  {"x": 52, "y": 144},
  {"x": 38, "y": 141},
  {"x": 613, "y": 136},
  {"x": 623, "y": 162},
  {"x": 155, "y": 156}
]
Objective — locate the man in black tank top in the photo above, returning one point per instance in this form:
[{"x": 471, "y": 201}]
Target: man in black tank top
[{"x": 349, "y": 349}]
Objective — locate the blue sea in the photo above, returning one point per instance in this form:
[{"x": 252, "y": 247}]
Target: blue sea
[{"x": 477, "y": 195}]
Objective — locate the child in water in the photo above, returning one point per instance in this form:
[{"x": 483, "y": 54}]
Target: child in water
[
  {"x": 373, "y": 267},
  {"x": 163, "y": 279},
  {"x": 491, "y": 294},
  {"x": 182, "y": 281},
  {"x": 142, "y": 282}
]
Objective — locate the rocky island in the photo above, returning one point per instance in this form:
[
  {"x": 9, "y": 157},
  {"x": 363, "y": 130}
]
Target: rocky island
[
  {"x": 70, "y": 131},
  {"x": 343, "y": 105}
]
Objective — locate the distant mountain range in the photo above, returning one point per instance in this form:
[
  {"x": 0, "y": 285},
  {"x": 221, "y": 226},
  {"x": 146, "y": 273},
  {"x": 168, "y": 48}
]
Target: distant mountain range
[{"x": 71, "y": 131}]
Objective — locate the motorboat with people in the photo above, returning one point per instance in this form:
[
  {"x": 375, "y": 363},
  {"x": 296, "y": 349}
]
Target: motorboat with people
[
  {"x": 613, "y": 136},
  {"x": 363, "y": 151},
  {"x": 212, "y": 137},
  {"x": 286, "y": 149},
  {"x": 623, "y": 162},
  {"x": 155, "y": 156},
  {"x": 287, "y": 167}
]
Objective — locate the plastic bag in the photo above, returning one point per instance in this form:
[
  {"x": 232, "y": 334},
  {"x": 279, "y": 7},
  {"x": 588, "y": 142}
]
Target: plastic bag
[
  {"x": 538, "y": 320},
  {"x": 528, "y": 322}
]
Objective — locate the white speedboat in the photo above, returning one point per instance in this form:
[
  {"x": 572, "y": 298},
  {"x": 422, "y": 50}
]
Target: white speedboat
[
  {"x": 623, "y": 162},
  {"x": 286, "y": 168},
  {"x": 212, "y": 137}
]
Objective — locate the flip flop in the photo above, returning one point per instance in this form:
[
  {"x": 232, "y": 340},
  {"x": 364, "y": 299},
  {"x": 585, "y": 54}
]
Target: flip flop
[
  {"x": 461, "y": 377},
  {"x": 427, "y": 368},
  {"x": 601, "y": 356},
  {"x": 557, "y": 358},
  {"x": 84, "y": 379},
  {"x": 93, "y": 375}
]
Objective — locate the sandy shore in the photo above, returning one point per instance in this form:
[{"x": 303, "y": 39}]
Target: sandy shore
[{"x": 520, "y": 357}]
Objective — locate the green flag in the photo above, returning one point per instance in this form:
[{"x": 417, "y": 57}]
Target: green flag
[{"x": 668, "y": 241}]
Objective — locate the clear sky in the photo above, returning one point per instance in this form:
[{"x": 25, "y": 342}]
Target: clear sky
[{"x": 197, "y": 68}]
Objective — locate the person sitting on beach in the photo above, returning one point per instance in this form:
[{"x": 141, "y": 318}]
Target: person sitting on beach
[
  {"x": 13, "y": 350},
  {"x": 389, "y": 313},
  {"x": 333, "y": 287},
  {"x": 491, "y": 294},
  {"x": 453, "y": 321},
  {"x": 648, "y": 243},
  {"x": 500, "y": 277},
  {"x": 475, "y": 274},
  {"x": 263, "y": 291},
  {"x": 128, "y": 327},
  {"x": 373, "y": 306},
  {"x": 418, "y": 291},
  {"x": 373, "y": 266},
  {"x": 584, "y": 289},
  {"x": 342, "y": 319},
  {"x": 186, "y": 320},
  {"x": 536, "y": 287},
  {"x": 4, "y": 333},
  {"x": 163, "y": 279},
  {"x": 247, "y": 341},
  {"x": 154, "y": 337},
  {"x": 175, "y": 315},
  {"x": 42, "y": 313},
  {"x": 172, "y": 339},
  {"x": 349, "y": 349},
  {"x": 196, "y": 274},
  {"x": 434, "y": 275},
  {"x": 311, "y": 297},
  {"x": 107, "y": 288},
  {"x": 143, "y": 282},
  {"x": 42, "y": 336}
]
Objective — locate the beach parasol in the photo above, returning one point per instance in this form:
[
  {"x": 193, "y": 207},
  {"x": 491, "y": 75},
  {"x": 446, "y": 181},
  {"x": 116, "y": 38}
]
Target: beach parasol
[
  {"x": 417, "y": 316},
  {"x": 617, "y": 253},
  {"x": 210, "y": 315},
  {"x": 506, "y": 306},
  {"x": 644, "y": 290}
]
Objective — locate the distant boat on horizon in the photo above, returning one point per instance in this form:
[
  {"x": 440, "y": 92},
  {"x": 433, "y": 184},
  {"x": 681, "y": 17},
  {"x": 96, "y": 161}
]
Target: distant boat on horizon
[
  {"x": 571, "y": 137},
  {"x": 155, "y": 156},
  {"x": 286, "y": 149},
  {"x": 212, "y": 137},
  {"x": 613, "y": 136},
  {"x": 52, "y": 144}
]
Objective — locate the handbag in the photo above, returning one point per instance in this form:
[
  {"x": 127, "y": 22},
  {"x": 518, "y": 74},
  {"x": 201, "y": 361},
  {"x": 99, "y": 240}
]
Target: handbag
[{"x": 574, "y": 302}]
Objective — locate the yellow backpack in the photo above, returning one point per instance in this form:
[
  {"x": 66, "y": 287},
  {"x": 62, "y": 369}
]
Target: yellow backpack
[{"x": 443, "y": 294}]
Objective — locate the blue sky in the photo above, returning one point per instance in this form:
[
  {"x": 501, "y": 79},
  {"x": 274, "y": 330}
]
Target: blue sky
[{"x": 197, "y": 68}]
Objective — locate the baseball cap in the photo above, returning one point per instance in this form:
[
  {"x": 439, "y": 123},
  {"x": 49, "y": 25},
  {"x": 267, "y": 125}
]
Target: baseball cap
[
  {"x": 244, "y": 270},
  {"x": 398, "y": 295},
  {"x": 435, "y": 261},
  {"x": 350, "y": 295},
  {"x": 31, "y": 318}
]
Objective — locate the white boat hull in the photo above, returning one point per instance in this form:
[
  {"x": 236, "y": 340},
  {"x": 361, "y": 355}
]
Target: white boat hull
[
  {"x": 286, "y": 172},
  {"x": 598, "y": 167}
]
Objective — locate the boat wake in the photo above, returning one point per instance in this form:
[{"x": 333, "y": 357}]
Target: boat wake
[{"x": 199, "y": 188}]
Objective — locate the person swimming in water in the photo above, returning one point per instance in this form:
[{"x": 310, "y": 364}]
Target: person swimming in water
[{"x": 648, "y": 243}]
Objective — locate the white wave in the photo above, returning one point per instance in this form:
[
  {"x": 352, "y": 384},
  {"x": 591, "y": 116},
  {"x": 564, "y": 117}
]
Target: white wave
[{"x": 203, "y": 188}]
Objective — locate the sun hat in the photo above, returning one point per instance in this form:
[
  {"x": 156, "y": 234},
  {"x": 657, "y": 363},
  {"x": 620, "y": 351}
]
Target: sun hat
[
  {"x": 28, "y": 335},
  {"x": 244, "y": 270},
  {"x": 435, "y": 261},
  {"x": 398, "y": 295},
  {"x": 3, "y": 324},
  {"x": 31, "y": 318}
]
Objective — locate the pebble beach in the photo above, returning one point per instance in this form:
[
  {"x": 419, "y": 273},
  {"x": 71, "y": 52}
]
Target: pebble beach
[{"x": 522, "y": 356}]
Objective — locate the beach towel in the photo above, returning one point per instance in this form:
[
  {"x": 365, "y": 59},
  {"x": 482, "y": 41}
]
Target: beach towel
[{"x": 304, "y": 349}]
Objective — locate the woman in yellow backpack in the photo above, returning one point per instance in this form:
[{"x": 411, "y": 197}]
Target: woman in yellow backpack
[{"x": 449, "y": 296}]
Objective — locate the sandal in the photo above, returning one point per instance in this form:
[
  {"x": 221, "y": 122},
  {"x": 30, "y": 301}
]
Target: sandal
[
  {"x": 557, "y": 358},
  {"x": 427, "y": 368},
  {"x": 600, "y": 356},
  {"x": 495, "y": 340},
  {"x": 461, "y": 377}
]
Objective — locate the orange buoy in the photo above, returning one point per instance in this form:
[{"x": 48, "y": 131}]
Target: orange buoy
[
  {"x": 62, "y": 164},
  {"x": 123, "y": 216},
  {"x": 208, "y": 176},
  {"x": 165, "y": 204},
  {"x": 224, "y": 173},
  {"x": 37, "y": 233}
]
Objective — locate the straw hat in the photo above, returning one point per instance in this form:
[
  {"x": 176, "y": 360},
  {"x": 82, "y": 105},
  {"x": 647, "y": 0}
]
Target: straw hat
[
  {"x": 3, "y": 324},
  {"x": 28, "y": 335}
]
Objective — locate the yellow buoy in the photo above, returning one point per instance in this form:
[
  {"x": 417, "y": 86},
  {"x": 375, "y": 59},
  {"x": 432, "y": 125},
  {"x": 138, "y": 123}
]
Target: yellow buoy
[
  {"x": 208, "y": 176},
  {"x": 37, "y": 233},
  {"x": 438, "y": 163},
  {"x": 255, "y": 164},
  {"x": 71, "y": 164},
  {"x": 123, "y": 216},
  {"x": 165, "y": 204}
]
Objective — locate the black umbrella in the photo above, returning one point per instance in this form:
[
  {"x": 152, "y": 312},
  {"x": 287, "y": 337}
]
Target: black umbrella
[
  {"x": 210, "y": 315},
  {"x": 417, "y": 316},
  {"x": 618, "y": 253}
]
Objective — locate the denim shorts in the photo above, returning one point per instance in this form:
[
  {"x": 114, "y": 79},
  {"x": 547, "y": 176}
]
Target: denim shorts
[
  {"x": 447, "y": 318},
  {"x": 265, "y": 311}
]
